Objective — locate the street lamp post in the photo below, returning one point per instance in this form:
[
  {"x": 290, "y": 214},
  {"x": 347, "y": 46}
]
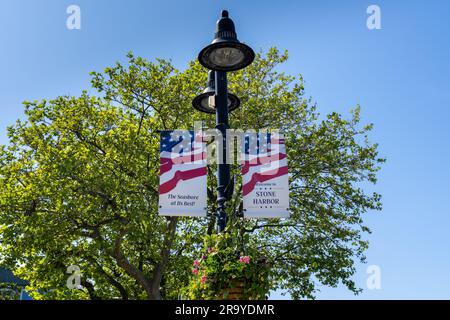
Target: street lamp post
[
  {"x": 224, "y": 191},
  {"x": 224, "y": 54}
]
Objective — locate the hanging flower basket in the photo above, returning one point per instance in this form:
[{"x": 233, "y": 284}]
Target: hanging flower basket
[
  {"x": 236, "y": 291},
  {"x": 223, "y": 273}
]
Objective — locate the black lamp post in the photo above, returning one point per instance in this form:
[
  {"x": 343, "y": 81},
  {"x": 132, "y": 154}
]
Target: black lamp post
[{"x": 224, "y": 54}]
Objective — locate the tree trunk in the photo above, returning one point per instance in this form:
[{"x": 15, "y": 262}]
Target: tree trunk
[
  {"x": 151, "y": 286},
  {"x": 132, "y": 271},
  {"x": 165, "y": 251}
]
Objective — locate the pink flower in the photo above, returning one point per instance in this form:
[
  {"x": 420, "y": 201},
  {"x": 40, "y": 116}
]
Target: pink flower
[
  {"x": 204, "y": 279},
  {"x": 244, "y": 259},
  {"x": 210, "y": 249},
  {"x": 196, "y": 263},
  {"x": 195, "y": 271}
]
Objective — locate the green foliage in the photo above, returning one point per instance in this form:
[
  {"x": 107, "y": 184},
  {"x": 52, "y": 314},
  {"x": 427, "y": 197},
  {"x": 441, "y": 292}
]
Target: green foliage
[
  {"x": 10, "y": 291},
  {"x": 79, "y": 185}
]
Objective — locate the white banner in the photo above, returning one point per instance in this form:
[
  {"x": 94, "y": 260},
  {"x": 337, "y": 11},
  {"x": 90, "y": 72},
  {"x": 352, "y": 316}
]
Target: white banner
[
  {"x": 182, "y": 178},
  {"x": 265, "y": 176}
]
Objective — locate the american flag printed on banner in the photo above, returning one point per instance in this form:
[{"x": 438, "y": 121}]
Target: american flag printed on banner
[
  {"x": 265, "y": 180},
  {"x": 182, "y": 174}
]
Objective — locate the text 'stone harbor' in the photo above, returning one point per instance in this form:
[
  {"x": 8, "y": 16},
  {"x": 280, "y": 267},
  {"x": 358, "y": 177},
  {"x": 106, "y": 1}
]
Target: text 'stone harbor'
[{"x": 265, "y": 176}]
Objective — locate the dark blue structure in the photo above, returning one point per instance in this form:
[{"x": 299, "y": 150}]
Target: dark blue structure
[{"x": 6, "y": 276}]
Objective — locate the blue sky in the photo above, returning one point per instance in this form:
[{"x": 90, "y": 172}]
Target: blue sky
[{"x": 399, "y": 75}]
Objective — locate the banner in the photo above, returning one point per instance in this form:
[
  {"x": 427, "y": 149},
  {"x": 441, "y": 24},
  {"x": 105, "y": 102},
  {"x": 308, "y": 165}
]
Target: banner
[
  {"x": 265, "y": 180},
  {"x": 182, "y": 174}
]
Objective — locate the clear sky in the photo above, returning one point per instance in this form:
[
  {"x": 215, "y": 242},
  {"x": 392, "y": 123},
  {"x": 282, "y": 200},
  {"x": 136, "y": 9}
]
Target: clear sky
[{"x": 399, "y": 75}]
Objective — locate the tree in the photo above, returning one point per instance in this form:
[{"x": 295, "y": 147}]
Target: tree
[{"x": 79, "y": 184}]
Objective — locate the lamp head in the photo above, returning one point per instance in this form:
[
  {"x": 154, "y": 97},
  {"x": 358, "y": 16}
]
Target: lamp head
[
  {"x": 226, "y": 53},
  {"x": 203, "y": 101}
]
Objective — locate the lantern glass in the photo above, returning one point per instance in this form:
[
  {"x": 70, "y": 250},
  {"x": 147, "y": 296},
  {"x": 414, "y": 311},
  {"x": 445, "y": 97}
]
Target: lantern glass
[
  {"x": 227, "y": 57},
  {"x": 206, "y": 103}
]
